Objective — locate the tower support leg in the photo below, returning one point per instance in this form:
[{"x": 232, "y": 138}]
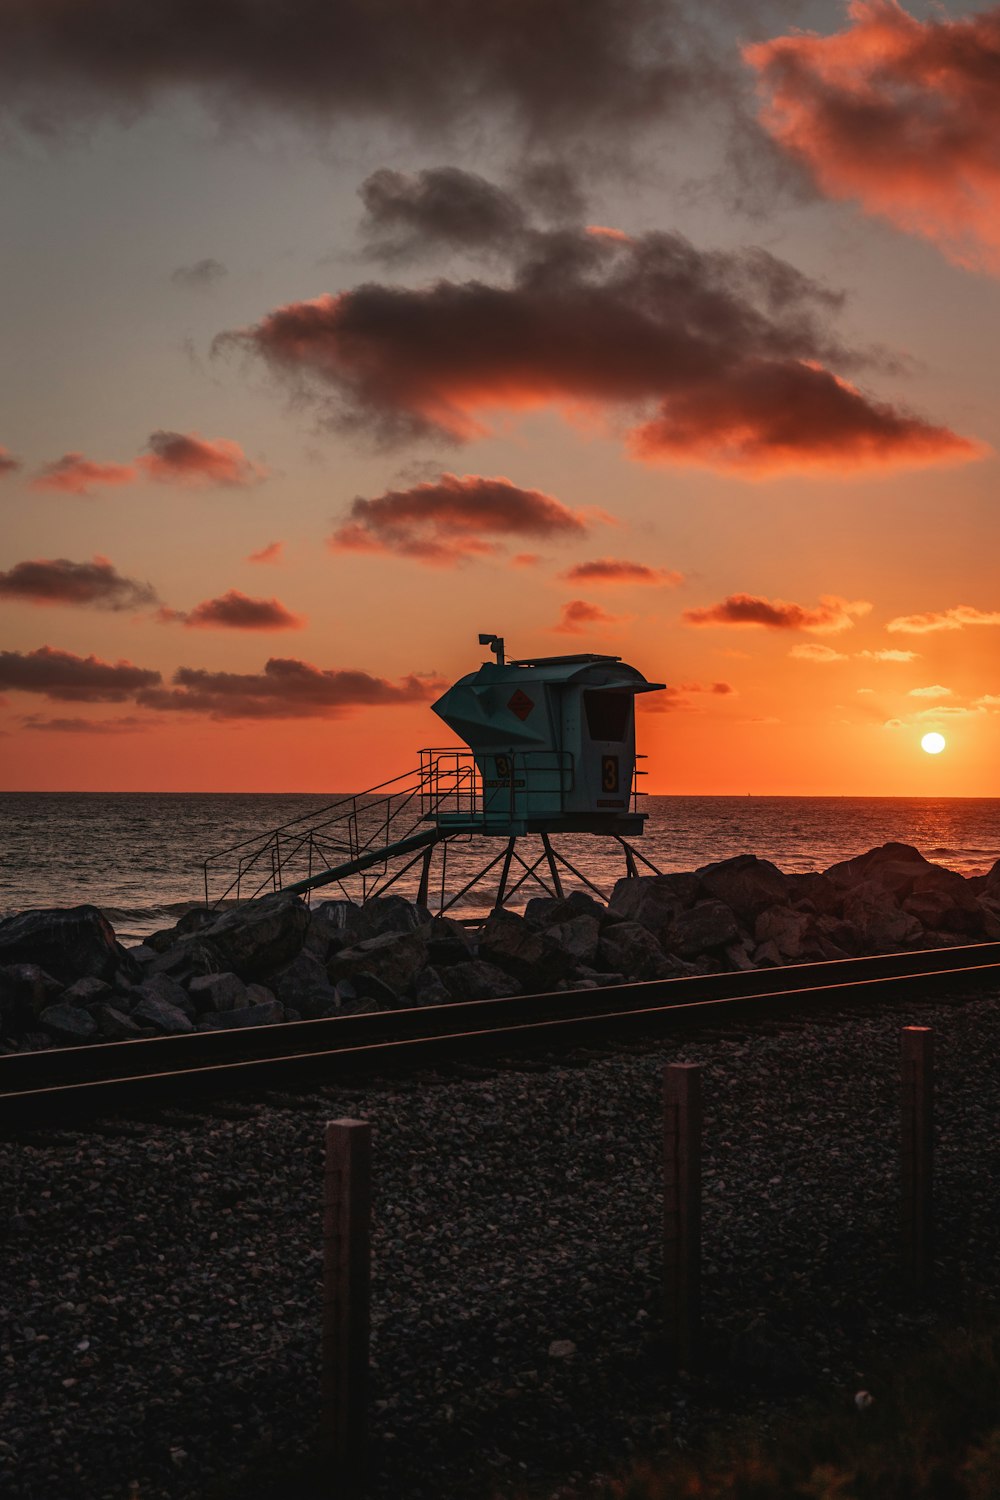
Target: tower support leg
[
  {"x": 553, "y": 867},
  {"x": 423, "y": 889},
  {"x": 504, "y": 873}
]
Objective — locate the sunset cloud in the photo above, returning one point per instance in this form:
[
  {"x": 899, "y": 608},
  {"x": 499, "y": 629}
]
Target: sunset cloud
[
  {"x": 943, "y": 619},
  {"x": 186, "y": 458},
  {"x": 901, "y": 115},
  {"x": 67, "y": 678},
  {"x": 75, "y": 474},
  {"x": 8, "y": 463},
  {"x": 888, "y": 655},
  {"x": 545, "y": 70},
  {"x": 235, "y": 611},
  {"x": 718, "y": 358},
  {"x": 934, "y": 691},
  {"x": 771, "y": 417},
  {"x": 813, "y": 651},
  {"x": 617, "y": 570},
  {"x": 832, "y": 615},
  {"x": 675, "y": 698},
  {"x": 269, "y": 554},
  {"x": 577, "y": 616},
  {"x": 127, "y": 724},
  {"x": 446, "y": 521},
  {"x": 285, "y": 689},
  {"x": 57, "y": 580}
]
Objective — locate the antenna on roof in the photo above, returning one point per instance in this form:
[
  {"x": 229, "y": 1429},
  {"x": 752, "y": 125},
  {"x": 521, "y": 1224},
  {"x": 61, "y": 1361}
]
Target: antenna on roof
[{"x": 495, "y": 643}]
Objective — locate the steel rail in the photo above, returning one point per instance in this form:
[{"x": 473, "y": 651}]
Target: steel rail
[{"x": 63, "y": 1083}]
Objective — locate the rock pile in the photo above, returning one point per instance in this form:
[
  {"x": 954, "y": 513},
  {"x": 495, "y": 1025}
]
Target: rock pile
[{"x": 65, "y": 979}]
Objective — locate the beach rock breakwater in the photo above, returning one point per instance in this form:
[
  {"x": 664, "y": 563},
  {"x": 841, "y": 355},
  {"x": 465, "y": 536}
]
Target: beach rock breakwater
[{"x": 64, "y": 978}]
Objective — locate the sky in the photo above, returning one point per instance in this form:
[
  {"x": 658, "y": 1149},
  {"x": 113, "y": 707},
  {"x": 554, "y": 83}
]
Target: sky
[{"x": 333, "y": 336}]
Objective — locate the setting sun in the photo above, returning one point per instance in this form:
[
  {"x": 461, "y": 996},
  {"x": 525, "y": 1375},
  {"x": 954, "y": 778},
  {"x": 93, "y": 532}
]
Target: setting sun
[{"x": 933, "y": 743}]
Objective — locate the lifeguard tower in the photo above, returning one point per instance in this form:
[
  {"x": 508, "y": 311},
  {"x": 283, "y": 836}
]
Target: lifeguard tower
[{"x": 548, "y": 749}]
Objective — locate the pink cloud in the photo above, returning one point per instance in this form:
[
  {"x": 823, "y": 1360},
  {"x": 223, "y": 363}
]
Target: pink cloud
[
  {"x": 901, "y": 115},
  {"x": 832, "y": 615}
]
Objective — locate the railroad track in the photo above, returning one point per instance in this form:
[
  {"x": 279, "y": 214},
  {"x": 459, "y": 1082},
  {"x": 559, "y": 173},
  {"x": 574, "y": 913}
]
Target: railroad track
[{"x": 69, "y": 1084}]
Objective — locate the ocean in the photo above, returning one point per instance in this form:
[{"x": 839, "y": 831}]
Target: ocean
[{"x": 138, "y": 856}]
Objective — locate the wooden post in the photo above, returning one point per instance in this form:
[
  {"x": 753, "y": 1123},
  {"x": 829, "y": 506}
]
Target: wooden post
[
  {"x": 682, "y": 1210},
  {"x": 917, "y": 1154},
  {"x": 346, "y": 1292}
]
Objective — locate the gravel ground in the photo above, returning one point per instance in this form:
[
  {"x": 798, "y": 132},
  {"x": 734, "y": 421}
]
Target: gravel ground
[{"x": 161, "y": 1278}]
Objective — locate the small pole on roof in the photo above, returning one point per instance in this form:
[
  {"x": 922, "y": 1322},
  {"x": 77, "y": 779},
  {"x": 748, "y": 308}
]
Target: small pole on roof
[{"x": 495, "y": 643}]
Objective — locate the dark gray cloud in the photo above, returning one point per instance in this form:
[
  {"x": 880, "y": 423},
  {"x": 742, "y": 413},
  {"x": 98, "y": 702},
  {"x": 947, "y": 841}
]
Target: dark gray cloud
[
  {"x": 57, "y": 580},
  {"x": 448, "y": 520},
  {"x": 718, "y": 356},
  {"x": 199, "y": 276},
  {"x": 285, "y": 689},
  {"x": 440, "y": 208},
  {"x": 235, "y": 611},
  {"x": 66, "y": 678},
  {"x": 553, "y": 67},
  {"x": 127, "y": 724}
]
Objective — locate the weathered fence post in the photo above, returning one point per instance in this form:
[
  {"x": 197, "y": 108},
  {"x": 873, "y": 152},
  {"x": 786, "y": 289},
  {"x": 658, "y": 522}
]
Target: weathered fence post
[
  {"x": 346, "y": 1291},
  {"x": 917, "y": 1154},
  {"x": 682, "y": 1210}
]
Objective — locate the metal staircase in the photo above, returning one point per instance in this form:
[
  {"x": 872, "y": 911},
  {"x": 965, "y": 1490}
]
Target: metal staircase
[{"x": 367, "y": 842}]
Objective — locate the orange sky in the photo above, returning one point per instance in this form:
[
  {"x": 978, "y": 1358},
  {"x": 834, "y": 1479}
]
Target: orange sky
[{"x": 682, "y": 351}]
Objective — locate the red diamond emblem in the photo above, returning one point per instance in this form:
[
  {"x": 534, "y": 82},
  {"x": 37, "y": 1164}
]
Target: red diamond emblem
[{"x": 520, "y": 704}]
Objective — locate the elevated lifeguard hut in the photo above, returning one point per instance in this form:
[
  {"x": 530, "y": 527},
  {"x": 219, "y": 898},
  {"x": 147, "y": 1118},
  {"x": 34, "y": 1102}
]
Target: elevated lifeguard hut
[
  {"x": 549, "y": 749},
  {"x": 553, "y": 740}
]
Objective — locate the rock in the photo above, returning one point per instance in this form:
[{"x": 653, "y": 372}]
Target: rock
[
  {"x": 710, "y": 924},
  {"x": 561, "y": 1349},
  {"x": 261, "y": 936},
  {"x": 941, "y": 911},
  {"x": 578, "y": 937},
  {"x": 68, "y": 1023},
  {"x": 550, "y": 911},
  {"x": 788, "y": 930},
  {"x": 431, "y": 989},
  {"x": 348, "y": 1002},
  {"x": 217, "y": 992},
  {"x": 478, "y": 980},
  {"x": 71, "y": 943},
  {"x": 746, "y": 884},
  {"x": 161, "y": 1015},
  {"x": 114, "y": 1026},
  {"x": 269, "y": 1013},
  {"x": 142, "y": 954},
  {"x": 991, "y": 883},
  {"x": 447, "y": 942},
  {"x": 303, "y": 984},
  {"x": 380, "y": 915},
  {"x": 891, "y": 867},
  {"x": 629, "y": 948},
  {"x": 327, "y": 930},
  {"x": 195, "y": 920},
  {"x": 395, "y": 958},
  {"x": 86, "y": 992},
  {"x": 528, "y": 955},
  {"x": 189, "y": 957},
  {"x": 655, "y": 900},
  {"x": 882, "y": 927},
  {"x": 815, "y": 891},
  {"x": 369, "y": 987},
  {"x": 26, "y": 990},
  {"x": 990, "y": 917},
  {"x": 162, "y": 987}
]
